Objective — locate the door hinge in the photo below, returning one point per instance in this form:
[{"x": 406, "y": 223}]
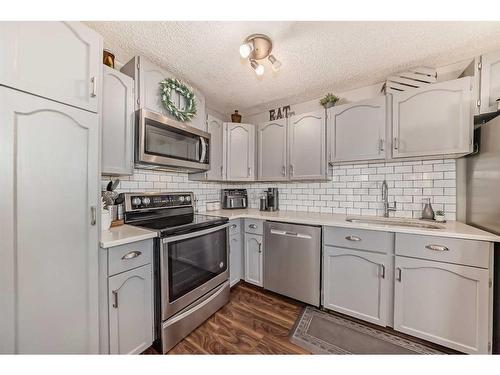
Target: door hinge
[
  {"x": 480, "y": 65},
  {"x": 490, "y": 283},
  {"x": 138, "y": 66},
  {"x": 138, "y": 101},
  {"x": 478, "y": 104},
  {"x": 489, "y": 347}
]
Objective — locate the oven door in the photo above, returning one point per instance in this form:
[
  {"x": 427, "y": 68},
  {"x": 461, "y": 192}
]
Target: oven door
[
  {"x": 165, "y": 142},
  {"x": 192, "y": 264}
]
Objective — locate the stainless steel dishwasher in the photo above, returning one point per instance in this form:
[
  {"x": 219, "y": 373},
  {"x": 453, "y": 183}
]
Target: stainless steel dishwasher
[{"x": 292, "y": 260}]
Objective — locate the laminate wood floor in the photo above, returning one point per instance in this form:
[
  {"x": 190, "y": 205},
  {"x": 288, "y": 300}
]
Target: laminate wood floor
[{"x": 254, "y": 321}]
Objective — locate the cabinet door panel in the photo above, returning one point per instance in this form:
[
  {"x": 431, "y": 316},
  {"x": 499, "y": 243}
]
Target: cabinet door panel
[
  {"x": 490, "y": 82},
  {"x": 443, "y": 303},
  {"x": 307, "y": 145},
  {"x": 366, "y": 296},
  {"x": 433, "y": 120},
  {"x": 57, "y": 60},
  {"x": 117, "y": 123},
  {"x": 357, "y": 131},
  {"x": 272, "y": 150},
  {"x": 216, "y": 129},
  {"x": 130, "y": 311},
  {"x": 253, "y": 259},
  {"x": 50, "y": 180},
  {"x": 240, "y": 156},
  {"x": 235, "y": 259}
]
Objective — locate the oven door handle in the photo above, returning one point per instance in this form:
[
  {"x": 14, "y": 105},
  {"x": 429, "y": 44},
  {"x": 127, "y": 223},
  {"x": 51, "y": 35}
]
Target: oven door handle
[
  {"x": 195, "y": 234},
  {"x": 203, "y": 149}
]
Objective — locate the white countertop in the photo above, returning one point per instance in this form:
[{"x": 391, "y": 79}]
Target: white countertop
[
  {"x": 124, "y": 234},
  {"x": 454, "y": 229}
]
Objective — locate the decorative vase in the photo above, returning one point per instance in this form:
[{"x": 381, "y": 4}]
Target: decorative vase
[
  {"x": 329, "y": 104},
  {"x": 236, "y": 117},
  {"x": 108, "y": 58},
  {"x": 105, "y": 220},
  {"x": 439, "y": 218}
]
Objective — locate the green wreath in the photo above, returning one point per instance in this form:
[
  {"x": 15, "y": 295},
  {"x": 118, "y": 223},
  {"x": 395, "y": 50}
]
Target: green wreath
[{"x": 166, "y": 87}]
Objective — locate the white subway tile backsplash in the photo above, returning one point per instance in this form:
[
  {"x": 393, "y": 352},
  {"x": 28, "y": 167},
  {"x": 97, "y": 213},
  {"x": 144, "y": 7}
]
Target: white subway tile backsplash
[{"x": 353, "y": 189}]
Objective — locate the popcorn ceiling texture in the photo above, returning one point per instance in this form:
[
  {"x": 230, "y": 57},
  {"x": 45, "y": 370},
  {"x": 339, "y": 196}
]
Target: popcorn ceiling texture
[
  {"x": 317, "y": 56},
  {"x": 353, "y": 189}
]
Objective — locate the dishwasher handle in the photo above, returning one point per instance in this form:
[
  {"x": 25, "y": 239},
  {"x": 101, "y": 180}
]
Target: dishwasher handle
[{"x": 290, "y": 234}]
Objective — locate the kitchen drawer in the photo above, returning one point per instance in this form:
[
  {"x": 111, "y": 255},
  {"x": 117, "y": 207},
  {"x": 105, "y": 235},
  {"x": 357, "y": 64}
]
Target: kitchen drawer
[
  {"x": 254, "y": 226},
  {"x": 359, "y": 239},
  {"x": 234, "y": 227},
  {"x": 125, "y": 257},
  {"x": 443, "y": 249}
]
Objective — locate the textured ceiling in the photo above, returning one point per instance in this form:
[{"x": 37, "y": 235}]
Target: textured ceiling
[{"x": 316, "y": 56}]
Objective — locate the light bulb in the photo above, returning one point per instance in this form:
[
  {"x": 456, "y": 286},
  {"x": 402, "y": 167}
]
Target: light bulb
[
  {"x": 276, "y": 64},
  {"x": 259, "y": 69},
  {"x": 246, "y": 49}
]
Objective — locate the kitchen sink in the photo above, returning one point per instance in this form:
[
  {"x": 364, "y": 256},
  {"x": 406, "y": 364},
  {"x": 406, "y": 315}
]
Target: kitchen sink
[{"x": 396, "y": 222}]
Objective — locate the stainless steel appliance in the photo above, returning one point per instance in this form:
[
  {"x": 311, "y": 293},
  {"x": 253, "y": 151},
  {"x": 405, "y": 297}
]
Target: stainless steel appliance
[
  {"x": 292, "y": 260},
  {"x": 272, "y": 200},
  {"x": 190, "y": 262},
  {"x": 483, "y": 200},
  {"x": 234, "y": 198},
  {"x": 163, "y": 143}
]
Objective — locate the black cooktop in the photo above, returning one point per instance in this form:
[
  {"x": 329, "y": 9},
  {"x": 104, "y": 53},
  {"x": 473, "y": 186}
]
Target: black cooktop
[{"x": 181, "y": 224}]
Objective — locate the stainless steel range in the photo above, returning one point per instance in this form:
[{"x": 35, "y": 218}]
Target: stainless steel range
[{"x": 190, "y": 262}]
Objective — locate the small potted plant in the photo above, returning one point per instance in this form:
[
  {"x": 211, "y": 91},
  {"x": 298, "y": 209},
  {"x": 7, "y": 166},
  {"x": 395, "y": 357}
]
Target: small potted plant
[
  {"x": 329, "y": 100},
  {"x": 439, "y": 216}
]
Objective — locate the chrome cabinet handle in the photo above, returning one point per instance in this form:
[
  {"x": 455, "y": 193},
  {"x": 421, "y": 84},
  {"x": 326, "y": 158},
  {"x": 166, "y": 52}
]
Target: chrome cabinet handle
[
  {"x": 396, "y": 143},
  {"x": 233, "y": 226},
  {"x": 115, "y": 299},
  {"x": 221, "y": 171},
  {"x": 93, "y": 215},
  {"x": 260, "y": 247},
  {"x": 381, "y": 144},
  {"x": 382, "y": 273},
  {"x": 398, "y": 274},
  {"x": 93, "y": 81},
  {"x": 131, "y": 255},
  {"x": 437, "y": 248},
  {"x": 253, "y": 226},
  {"x": 353, "y": 238},
  {"x": 249, "y": 171},
  {"x": 291, "y": 170},
  {"x": 283, "y": 170}
]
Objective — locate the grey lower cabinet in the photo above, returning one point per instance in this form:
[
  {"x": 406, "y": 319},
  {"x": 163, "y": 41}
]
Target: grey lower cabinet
[
  {"x": 49, "y": 265},
  {"x": 254, "y": 251},
  {"x": 235, "y": 252},
  {"x": 126, "y": 298},
  {"x": 117, "y": 157}
]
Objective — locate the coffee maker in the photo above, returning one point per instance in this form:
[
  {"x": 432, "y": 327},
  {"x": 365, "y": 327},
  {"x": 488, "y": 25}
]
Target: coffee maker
[{"x": 270, "y": 202}]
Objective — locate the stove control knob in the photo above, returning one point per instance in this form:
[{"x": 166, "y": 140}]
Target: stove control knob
[
  {"x": 146, "y": 201},
  {"x": 188, "y": 198},
  {"x": 181, "y": 198},
  {"x": 136, "y": 201}
]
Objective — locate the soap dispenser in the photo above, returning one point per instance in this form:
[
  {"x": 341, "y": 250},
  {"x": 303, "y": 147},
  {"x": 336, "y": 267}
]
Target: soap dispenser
[{"x": 427, "y": 212}]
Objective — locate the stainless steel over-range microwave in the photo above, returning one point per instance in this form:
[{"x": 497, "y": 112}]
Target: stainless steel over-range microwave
[{"x": 163, "y": 143}]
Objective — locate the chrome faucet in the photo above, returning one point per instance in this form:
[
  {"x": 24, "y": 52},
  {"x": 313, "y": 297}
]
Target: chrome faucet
[{"x": 385, "y": 198}]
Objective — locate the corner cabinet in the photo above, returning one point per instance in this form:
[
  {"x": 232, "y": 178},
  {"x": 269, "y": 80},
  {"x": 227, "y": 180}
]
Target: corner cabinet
[
  {"x": 49, "y": 284},
  {"x": 240, "y": 151},
  {"x": 60, "y": 61},
  {"x": 443, "y": 303},
  {"x": 272, "y": 150},
  {"x": 307, "y": 146},
  {"x": 433, "y": 120},
  {"x": 254, "y": 273},
  {"x": 356, "y": 131},
  {"x": 117, "y": 123},
  {"x": 488, "y": 70},
  {"x": 147, "y": 77}
]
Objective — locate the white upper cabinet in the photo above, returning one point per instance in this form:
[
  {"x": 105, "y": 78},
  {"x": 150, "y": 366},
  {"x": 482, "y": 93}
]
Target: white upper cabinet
[
  {"x": 489, "y": 74},
  {"x": 444, "y": 303},
  {"x": 56, "y": 60},
  {"x": 240, "y": 155},
  {"x": 147, "y": 78},
  {"x": 117, "y": 123},
  {"x": 307, "y": 146},
  {"x": 216, "y": 129},
  {"x": 433, "y": 120},
  {"x": 356, "y": 131},
  {"x": 49, "y": 154},
  {"x": 272, "y": 150}
]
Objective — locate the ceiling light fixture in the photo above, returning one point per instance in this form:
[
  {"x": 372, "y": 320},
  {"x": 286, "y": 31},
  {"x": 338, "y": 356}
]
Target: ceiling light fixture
[
  {"x": 258, "y": 47},
  {"x": 259, "y": 69}
]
